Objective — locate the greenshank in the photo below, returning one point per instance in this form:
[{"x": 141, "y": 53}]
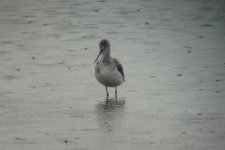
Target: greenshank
[{"x": 108, "y": 70}]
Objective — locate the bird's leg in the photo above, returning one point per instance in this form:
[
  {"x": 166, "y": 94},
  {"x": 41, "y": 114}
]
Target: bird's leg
[
  {"x": 107, "y": 93},
  {"x": 116, "y": 93}
]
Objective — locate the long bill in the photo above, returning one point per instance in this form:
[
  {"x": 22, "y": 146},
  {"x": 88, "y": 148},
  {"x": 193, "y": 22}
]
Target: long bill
[{"x": 97, "y": 57}]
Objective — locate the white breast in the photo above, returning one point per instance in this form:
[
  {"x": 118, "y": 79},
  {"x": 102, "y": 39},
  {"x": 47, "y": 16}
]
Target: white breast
[{"x": 108, "y": 75}]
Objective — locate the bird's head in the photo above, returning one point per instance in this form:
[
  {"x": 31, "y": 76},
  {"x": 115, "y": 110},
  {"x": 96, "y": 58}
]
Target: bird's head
[{"x": 104, "y": 46}]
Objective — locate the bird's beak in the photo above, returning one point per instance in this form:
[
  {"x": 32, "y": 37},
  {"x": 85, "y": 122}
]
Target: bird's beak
[{"x": 98, "y": 56}]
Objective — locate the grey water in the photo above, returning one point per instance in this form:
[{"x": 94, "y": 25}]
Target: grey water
[{"x": 174, "y": 61}]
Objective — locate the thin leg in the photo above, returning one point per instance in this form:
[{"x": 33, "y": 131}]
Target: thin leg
[
  {"x": 107, "y": 93},
  {"x": 116, "y": 93}
]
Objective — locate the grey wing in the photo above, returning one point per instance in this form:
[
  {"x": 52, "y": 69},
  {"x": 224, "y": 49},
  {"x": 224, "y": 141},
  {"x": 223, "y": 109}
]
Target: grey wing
[{"x": 119, "y": 68}]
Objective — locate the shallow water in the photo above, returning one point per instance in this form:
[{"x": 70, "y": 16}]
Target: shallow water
[{"x": 173, "y": 58}]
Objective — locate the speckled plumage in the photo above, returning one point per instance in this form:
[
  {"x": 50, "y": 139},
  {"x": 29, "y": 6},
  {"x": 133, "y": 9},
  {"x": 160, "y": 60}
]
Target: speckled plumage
[{"x": 108, "y": 70}]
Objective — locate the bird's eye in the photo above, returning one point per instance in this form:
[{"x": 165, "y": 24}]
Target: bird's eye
[{"x": 104, "y": 42}]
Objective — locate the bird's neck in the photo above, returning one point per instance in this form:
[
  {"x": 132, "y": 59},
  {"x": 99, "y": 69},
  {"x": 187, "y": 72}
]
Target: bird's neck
[{"x": 106, "y": 56}]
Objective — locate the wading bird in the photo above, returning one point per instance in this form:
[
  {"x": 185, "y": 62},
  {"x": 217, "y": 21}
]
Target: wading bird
[{"x": 108, "y": 70}]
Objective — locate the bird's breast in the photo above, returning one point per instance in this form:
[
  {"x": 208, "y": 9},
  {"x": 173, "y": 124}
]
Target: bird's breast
[{"x": 108, "y": 75}]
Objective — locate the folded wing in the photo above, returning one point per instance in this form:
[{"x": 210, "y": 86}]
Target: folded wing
[{"x": 119, "y": 67}]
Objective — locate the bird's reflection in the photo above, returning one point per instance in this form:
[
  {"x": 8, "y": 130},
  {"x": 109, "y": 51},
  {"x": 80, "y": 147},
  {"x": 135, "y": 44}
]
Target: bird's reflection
[
  {"x": 110, "y": 113},
  {"x": 111, "y": 105}
]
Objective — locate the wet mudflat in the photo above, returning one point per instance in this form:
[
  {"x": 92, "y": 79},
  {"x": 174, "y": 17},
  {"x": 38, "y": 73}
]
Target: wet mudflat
[{"x": 174, "y": 62}]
